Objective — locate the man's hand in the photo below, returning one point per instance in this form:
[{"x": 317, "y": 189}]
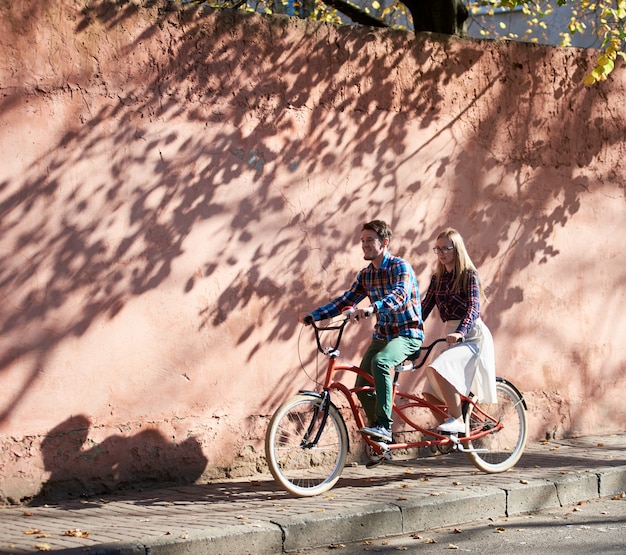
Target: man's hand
[
  {"x": 305, "y": 318},
  {"x": 361, "y": 313}
]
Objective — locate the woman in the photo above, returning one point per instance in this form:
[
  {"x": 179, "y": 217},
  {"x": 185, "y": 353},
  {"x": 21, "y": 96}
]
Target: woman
[{"x": 462, "y": 367}]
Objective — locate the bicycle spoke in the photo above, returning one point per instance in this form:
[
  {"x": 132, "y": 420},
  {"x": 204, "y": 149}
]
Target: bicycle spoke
[
  {"x": 502, "y": 447},
  {"x": 299, "y": 465}
]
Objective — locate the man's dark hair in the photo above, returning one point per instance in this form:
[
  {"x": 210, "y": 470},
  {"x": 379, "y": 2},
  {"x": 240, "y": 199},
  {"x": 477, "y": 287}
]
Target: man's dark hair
[{"x": 379, "y": 227}]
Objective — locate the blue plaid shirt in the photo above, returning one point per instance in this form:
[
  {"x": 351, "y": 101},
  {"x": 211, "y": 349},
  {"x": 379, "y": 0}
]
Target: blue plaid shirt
[{"x": 393, "y": 290}]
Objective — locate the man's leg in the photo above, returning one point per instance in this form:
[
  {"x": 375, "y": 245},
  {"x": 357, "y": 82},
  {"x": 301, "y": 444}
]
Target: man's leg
[
  {"x": 395, "y": 352},
  {"x": 368, "y": 398}
]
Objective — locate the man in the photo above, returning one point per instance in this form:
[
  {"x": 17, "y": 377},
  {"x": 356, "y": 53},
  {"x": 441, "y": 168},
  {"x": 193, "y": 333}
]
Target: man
[{"x": 391, "y": 286}]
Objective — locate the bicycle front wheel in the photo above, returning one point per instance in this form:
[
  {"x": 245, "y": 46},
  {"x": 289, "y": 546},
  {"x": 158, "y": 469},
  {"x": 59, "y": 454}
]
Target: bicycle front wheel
[
  {"x": 502, "y": 448},
  {"x": 305, "y": 449}
]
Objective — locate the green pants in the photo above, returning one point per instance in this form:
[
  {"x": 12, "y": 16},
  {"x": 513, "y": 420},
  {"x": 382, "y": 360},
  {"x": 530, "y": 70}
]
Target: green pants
[{"x": 379, "y": 361}]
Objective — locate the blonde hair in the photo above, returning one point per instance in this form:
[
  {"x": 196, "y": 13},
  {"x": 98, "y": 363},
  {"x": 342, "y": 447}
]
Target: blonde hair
[{"x": 462, "y": 261}]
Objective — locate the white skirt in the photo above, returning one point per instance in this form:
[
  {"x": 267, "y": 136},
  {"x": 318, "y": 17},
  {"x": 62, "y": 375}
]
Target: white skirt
[{"x": 469, "y": 366}]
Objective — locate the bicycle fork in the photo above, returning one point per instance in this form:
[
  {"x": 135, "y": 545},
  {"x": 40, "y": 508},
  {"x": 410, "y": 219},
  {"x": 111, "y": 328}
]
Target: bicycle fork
[{"x": 324, "y": 407}]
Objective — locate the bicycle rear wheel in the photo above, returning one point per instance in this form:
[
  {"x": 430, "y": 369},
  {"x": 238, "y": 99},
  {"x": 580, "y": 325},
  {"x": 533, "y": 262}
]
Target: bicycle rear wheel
[
  {"x": 502, "y": 448},
  {"x": 300, "y": 464}
]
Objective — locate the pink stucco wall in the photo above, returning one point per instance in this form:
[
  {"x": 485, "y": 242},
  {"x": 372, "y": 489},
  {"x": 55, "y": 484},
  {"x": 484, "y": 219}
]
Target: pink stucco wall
[{"x": 175, "y": 188}]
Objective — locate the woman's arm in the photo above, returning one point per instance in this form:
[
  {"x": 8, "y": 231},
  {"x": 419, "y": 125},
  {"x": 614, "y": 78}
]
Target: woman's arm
[{"x": 472, "y": 302}]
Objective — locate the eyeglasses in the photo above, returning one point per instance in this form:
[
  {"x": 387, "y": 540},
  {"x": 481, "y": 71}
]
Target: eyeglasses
[{"x": 442, "y": 250}]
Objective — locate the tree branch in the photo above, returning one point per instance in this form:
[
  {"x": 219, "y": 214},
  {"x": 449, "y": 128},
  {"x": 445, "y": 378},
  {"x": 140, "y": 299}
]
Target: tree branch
[{"x": 355, "y": 14}]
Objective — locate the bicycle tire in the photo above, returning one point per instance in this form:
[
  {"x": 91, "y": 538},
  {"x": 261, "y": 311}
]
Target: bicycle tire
[
  {"x": 500, "y": 450},
  {"x": 306, "y": 470}
]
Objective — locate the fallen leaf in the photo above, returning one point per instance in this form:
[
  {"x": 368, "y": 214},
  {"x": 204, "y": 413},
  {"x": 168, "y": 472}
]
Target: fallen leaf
[
  {"x": 600, "y": 444},
  {"x": 32, "y": 532},
  {"x": 42, "y": 547},
  {"x": 336, "y": 545},
  {"x": 523, "y": 481},
  {"x": 402, "y": 498},
  {"x": 416, "y": 536},
  {"x": 77, "y": 533},
  {"x": 458, "y": 531},
  {"x": 404, "y": 486},
  {"x": 401, "y": 548},
  {"x": 430, "y": 540},
  {"x": 452, "y": 546},
  {"x": 456, "y": 483},
  {"x": 424, "y": 480},
  {"x": 500, "y": 530},
  {"x": 27, "y": 513}
]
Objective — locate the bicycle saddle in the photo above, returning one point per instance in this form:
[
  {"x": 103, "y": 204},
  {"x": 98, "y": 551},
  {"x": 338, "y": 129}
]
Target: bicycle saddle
[{"x": 413, "y": 357}]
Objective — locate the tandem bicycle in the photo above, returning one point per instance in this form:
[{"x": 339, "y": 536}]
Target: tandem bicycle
[{"x": 307, "y": 441}]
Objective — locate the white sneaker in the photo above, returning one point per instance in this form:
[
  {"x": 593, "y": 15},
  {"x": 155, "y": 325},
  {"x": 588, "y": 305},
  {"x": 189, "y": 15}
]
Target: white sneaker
[{"x": 452, "y": 426}]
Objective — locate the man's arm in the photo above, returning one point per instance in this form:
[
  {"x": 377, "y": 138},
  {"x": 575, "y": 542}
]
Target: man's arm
[{"x": 351, "y": 297}]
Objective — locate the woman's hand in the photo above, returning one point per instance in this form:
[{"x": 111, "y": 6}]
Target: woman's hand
[{"x": 454, "y": 338}]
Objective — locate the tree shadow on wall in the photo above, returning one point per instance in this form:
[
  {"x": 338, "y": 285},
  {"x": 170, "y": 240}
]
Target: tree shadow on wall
[
  {"x": 79, "y": 467},
  {"x": 205, "y": 83},
  {"x": 213, "y": 78}
]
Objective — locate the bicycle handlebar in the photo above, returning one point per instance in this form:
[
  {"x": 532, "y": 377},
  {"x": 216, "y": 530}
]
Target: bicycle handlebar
[
  {"x": 340, "y": 326},
  {"x": 308, "y": 320}
]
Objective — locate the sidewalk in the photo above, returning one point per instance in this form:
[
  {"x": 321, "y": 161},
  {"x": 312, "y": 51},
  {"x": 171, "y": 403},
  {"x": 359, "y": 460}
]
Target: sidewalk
[{"x": 256, "y": 517}]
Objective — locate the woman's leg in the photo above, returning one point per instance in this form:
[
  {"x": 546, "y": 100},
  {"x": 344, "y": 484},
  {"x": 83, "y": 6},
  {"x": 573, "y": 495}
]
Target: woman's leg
[
  {"x": 439, "y": 418},
  {"x": 451, "y": 396}
]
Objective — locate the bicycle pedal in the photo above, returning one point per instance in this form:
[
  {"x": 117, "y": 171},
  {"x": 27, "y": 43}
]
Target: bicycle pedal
[
  {"x": 447, "y": 434},
  {"x": 454, "y": 437},
  {"x": 377, "y": 460},
  {"x": 447, "y": 448},
  {"x": 373, "y": 463}
]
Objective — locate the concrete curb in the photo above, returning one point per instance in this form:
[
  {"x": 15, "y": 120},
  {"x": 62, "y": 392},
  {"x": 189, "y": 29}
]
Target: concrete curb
[
  {"x": 257, "y": 518},
  {"x": 376, "y": 520}
]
